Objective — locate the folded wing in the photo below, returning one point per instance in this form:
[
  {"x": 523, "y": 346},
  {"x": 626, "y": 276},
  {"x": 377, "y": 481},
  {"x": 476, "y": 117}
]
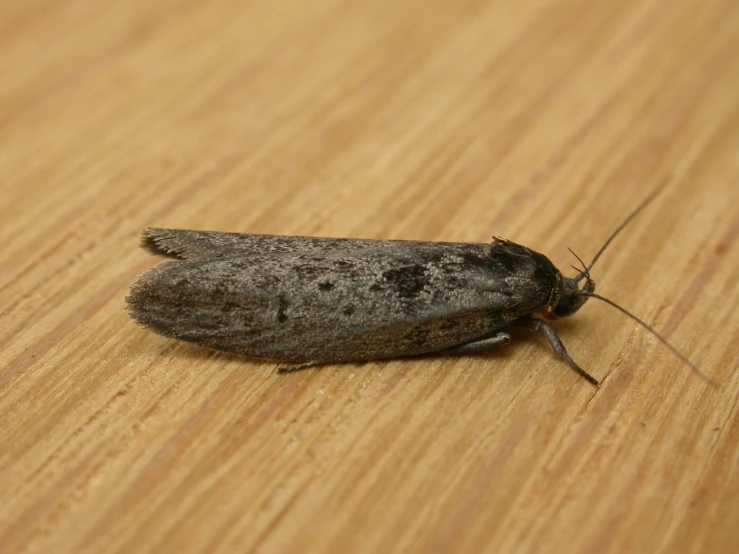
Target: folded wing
[{"x": 375, "y": 299}]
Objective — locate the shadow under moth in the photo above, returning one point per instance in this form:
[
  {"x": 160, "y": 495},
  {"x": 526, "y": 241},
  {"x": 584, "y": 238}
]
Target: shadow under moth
[{"x": 312, "y": 301}]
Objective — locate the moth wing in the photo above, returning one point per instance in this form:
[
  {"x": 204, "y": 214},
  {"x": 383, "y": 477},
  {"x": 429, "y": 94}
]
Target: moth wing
[
  {"x": 340, "y": 305},
  {"x": 203, "y": 245}
]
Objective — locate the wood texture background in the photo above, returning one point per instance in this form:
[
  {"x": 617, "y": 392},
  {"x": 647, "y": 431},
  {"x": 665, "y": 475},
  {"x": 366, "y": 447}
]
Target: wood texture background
[{"x": 544, "y": 121}]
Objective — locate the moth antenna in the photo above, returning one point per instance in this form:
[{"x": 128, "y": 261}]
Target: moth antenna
[
  {"x": 586, "y": 273},
  {"x": 663, "y": 340},
  {"x": 620, "y": 228}
]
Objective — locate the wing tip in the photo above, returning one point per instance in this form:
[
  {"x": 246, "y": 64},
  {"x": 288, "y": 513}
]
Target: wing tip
[
  {"x": 159, "y": 242},
  {"x": 143, "y": 304},
  {"x": 136, "y": 301}
]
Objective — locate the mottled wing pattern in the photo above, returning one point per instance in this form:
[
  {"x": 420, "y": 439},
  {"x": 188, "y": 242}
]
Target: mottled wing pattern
[{"x": 379, "y": 300}]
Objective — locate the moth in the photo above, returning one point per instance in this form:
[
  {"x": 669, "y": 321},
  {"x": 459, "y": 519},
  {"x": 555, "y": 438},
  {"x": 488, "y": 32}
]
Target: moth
[{"x": 311, "y": 301}]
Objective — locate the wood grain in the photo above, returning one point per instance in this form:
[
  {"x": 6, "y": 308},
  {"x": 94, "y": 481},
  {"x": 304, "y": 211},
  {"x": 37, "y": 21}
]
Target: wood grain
[{"x": 542, "y": 121}]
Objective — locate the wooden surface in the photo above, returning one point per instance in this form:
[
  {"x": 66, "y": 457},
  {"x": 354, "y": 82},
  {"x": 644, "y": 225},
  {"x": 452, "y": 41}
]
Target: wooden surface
[{"x": 542, "y": 121}]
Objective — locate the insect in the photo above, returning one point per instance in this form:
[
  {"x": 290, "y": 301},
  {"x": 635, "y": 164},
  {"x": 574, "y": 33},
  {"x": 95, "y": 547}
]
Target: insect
[{"x": 312, "y": 301}]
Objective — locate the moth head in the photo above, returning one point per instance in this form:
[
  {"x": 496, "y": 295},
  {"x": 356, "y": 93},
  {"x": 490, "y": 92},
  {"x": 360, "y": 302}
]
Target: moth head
[{"x": 571, "y": 298}]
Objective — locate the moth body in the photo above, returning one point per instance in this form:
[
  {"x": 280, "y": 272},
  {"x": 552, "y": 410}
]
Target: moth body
[{"x": 321, "y": 300}]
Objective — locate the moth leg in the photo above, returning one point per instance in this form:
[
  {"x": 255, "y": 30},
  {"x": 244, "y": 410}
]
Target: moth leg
[
  {"x": 556, "y": 343},
  {"x": 298, "y": 367},
  {"x": 478, "y": 346}
]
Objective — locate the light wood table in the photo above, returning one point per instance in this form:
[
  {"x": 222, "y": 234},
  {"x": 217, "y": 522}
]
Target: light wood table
[{"x": 542, "y": 121}]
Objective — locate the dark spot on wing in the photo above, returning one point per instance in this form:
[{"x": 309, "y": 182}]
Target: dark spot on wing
[
  {"x": 349, "y": 310},
  {"x": 282, "y": 309},
  {"x": 325, "y": 286},
  {"x": 408, "y": 281}
]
